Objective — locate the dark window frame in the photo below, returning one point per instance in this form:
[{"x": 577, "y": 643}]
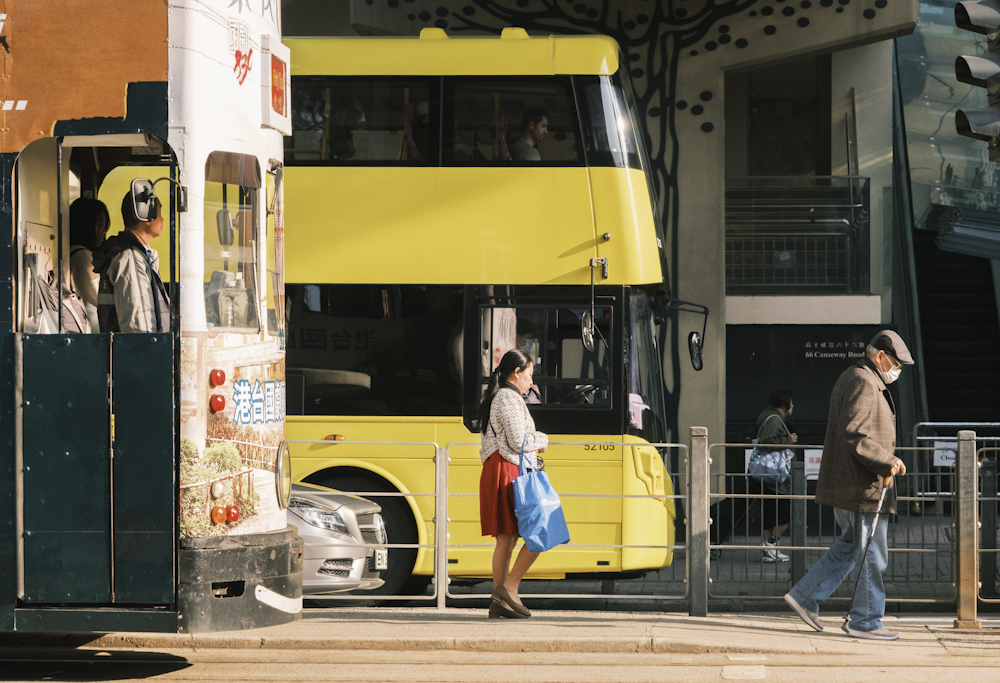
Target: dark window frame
[
  {"x": 434, "y": 120},
  {"x": 449, "y": 85},
  {"x": 418, "y": 356},
  {"x": 552, "y": 419}
]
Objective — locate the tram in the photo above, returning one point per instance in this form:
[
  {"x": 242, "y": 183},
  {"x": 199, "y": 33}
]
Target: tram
[
  {"x": 455, "y": 198},
  {"x": 142, "y": 457}
]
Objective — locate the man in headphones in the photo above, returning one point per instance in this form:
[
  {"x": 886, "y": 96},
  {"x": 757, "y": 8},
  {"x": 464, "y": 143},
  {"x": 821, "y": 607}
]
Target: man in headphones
[{"x": 131, "y": 296}]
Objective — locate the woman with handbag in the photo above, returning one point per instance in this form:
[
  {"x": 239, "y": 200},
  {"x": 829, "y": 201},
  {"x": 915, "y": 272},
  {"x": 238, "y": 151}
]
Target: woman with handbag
[
  {"x": 507, "y": 430},
  {"x": 776, "y": 513}
]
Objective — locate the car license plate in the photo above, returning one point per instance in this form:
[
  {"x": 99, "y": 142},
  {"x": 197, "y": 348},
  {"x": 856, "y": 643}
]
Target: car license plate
[{"x": 381, "y": 559}]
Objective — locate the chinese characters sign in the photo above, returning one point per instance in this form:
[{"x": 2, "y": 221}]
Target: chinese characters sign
[
  {"x": 835, "y": 349},
  {"x": 277, "y": 85},
  {"x": 258, "y": 403},
  {"x": 239, "y": 46}
]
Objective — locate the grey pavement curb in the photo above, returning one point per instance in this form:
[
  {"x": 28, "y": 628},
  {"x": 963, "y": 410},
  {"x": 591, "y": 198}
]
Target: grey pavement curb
[
  {"x": 493, "y": 644},
  {"x": 607, "y": 645}
]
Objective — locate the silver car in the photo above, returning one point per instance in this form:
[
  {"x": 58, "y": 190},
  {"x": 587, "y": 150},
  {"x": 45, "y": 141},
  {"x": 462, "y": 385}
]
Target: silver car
[{"x": 335, "y": 528}]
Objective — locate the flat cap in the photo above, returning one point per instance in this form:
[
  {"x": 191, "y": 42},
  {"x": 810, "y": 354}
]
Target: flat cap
[{"x": 891, "y": 343}]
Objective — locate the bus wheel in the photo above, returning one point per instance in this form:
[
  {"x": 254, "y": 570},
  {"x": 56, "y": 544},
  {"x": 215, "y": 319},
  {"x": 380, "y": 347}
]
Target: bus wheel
[{"x": 399, "y": 528}]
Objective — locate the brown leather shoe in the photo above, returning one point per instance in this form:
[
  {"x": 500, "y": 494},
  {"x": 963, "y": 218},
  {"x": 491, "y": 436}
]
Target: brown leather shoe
[
  {"x": 502, "y": 593},
  {"x": 498, "y": 611}
]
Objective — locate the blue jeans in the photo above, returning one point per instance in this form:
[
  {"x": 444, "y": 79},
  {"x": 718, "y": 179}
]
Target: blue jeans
[{"x": 836, "y": 565}]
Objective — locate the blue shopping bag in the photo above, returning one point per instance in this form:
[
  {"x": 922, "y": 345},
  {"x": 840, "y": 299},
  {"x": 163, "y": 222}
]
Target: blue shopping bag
[
  {"x": 540, "y": 519},
  {"x": 770, "y": 467}
]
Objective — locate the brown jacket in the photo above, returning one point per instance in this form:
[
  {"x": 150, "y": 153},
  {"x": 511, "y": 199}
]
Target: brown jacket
[{"x": 860, "y": 442}]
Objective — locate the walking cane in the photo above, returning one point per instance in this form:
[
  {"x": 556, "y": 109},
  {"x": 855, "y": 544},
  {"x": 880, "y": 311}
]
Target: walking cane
[{"x": 878, "y": 510}]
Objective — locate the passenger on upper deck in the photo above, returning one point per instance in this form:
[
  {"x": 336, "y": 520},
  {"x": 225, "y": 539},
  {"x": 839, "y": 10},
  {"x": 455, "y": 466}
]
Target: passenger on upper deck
[
  {"x": 132, "y": 297},
  {"x": 534, "y": 128}
]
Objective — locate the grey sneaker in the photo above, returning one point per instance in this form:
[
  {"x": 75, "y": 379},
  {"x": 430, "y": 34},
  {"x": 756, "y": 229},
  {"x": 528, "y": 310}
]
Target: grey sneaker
[
  {"x": 877, "y": 634},
  {"x": 772, "y": 554},
  {"x": 810, "y": 618}
]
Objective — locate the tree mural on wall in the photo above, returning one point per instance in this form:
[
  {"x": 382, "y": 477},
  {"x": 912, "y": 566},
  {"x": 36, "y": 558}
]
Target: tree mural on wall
[{"x": 655, "y": 35}]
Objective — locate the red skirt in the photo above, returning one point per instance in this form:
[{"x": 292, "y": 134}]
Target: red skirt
[{"x": 496, "y": 497}]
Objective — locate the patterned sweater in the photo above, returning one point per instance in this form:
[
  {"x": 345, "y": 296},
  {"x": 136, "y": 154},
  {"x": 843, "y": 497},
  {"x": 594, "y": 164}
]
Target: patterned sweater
[{"x": 509, "y": 422}]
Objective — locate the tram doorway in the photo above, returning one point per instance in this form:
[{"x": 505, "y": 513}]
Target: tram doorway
[{"x": 95, "y": 411}]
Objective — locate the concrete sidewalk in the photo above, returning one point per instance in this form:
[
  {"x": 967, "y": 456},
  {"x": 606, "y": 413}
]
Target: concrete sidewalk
[{"x": 469, "y": 630}]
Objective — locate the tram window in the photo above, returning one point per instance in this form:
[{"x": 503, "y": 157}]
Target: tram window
[
  {"x": 274, "y": 270},
  {"x": 231, "y": 247},
  {"x": 361, "y": 122},
  {"x": 609, "y": 135},
  {"x": 486, "y": 119},
  {"x": 566, "y": 374},
  {"x": 374, "y": 349}
]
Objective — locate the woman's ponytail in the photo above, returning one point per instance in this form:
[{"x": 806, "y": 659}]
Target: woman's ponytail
[{"x": 511, "y": 361}]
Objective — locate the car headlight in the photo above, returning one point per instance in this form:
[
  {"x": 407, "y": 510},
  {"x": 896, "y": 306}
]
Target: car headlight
[{"x": 318, "y": 516}]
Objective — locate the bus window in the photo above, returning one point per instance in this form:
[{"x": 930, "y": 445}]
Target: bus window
[
  {"x": 609, "y": 136},
  {"x": 232, "y": 184},
  {"x": 361, "y": 122},
  {"x": 374, "y": 349},
  {"x": 646, "y": 411},
  {"x": 566, "y": 374},
  {"x": 489, "y": 119}
]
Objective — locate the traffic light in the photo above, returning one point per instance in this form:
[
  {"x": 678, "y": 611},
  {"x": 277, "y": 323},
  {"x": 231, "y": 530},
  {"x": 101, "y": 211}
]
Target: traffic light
[{"x": 981, "y": 16}]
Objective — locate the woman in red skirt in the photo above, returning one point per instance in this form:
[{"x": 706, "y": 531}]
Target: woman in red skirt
[{"x": 505, "y": 422}]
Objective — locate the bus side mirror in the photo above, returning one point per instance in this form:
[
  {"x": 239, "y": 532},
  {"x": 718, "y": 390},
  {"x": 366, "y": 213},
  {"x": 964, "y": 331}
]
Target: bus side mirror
[
  {"x": 587, "y": 330},
  {"x": 143, "y": 200},
  {"x": 224, "y": 223},
  {"x": 695, "y": 344}
]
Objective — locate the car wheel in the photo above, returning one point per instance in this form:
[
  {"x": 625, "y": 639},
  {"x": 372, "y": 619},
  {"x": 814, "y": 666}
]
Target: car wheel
[{"x": 399, "y": 528}]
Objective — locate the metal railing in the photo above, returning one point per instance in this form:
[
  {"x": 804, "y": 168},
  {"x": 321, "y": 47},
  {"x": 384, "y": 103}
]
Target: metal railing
[
  {"x": 935, "y": 558},
  {"x": 571, "y": 545},
  {"x": 920, "y": 548},
  {"x": 797, "y": 234},
  {"x": 440, "y": 515},
  {"x": 989, "y": 501}
]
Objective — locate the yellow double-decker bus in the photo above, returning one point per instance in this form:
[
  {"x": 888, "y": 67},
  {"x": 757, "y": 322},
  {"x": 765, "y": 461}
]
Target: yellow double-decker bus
[{"x": 455, "y": 198}]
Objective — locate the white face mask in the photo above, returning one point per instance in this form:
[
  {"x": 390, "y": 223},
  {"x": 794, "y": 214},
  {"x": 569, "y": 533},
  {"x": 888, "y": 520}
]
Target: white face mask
[{"x": 892, "y": 375}]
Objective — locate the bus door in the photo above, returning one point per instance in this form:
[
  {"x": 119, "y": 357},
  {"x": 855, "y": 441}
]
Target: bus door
[{"x": 95, "y": 411}]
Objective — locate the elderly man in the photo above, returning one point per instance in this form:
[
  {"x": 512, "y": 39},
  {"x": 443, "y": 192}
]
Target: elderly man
[
  {"x": 131, "y": 296},
  {"x": 858, "y": 460}
]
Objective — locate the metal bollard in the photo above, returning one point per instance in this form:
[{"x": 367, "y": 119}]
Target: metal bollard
[
  {"x": 988, "y": 537},
  {"x": 966, "y": 530},
  {"x": 441, "y": 526},
  {"x": 697, "y": 526},
  {"x": 798, "y": 520}
]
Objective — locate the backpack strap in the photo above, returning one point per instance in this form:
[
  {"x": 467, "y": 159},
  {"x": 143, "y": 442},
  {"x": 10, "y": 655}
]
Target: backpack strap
[{"x": 768, "y": 418}]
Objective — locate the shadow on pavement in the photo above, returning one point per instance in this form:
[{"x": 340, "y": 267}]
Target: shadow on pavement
[{"x": 47, "y": 664}]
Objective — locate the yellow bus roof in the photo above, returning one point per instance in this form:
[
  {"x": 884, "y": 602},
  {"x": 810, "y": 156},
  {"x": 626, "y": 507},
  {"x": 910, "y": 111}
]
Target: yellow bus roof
[{"x": 434, "y": 53}]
